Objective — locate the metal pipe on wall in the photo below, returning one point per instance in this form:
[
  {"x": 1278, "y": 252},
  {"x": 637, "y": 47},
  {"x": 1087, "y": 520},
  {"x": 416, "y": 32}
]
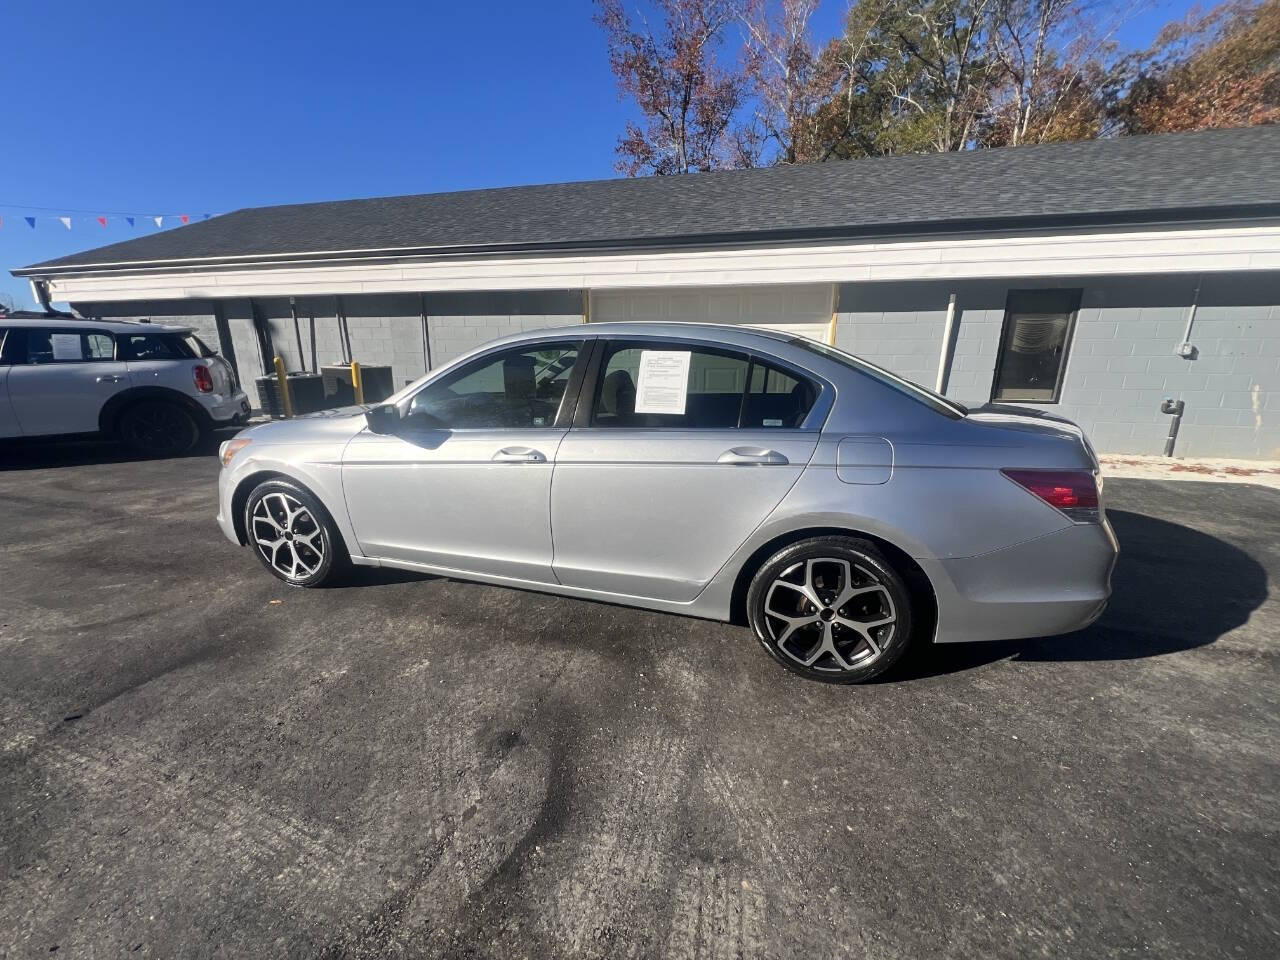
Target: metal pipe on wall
[
  {"x": 426, "y": 334},
  {"x": 297, "y": 332}
]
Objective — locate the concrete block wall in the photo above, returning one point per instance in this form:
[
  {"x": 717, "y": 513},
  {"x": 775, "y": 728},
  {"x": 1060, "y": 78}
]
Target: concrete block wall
[
  {"x": 1121, "y": 360},
  {"x": 460, "y": 322}
]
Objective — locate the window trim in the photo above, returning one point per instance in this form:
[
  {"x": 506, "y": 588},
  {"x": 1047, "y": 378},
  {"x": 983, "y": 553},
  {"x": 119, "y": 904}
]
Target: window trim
[
  {"x": 20, "y": 346},
  {"x": 1075, "y": 296},
  {"x": 591, "y": 385},
  {"x": 563, "y": 412}
]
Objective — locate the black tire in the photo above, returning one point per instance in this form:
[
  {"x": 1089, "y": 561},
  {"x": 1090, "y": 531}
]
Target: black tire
[
  {"x": 157, "y": 428},
  {"x": 309, "y": 551},
  {"x": 793, "y": 629}
]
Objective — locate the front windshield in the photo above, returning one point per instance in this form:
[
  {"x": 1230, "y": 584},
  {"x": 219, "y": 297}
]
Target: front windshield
[{"x": 935, "y": 401}]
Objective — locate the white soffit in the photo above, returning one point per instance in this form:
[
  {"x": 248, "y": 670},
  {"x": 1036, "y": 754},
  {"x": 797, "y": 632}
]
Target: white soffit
[{"x": 1064, "y": 255}]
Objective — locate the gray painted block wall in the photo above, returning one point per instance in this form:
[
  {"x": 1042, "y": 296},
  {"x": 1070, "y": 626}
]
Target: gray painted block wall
[
  {"x": 385, "y": 329},
  {"x": 1120, "y": 363}
]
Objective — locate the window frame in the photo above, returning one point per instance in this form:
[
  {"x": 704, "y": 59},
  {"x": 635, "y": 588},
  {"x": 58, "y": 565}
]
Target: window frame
[
  {"x": 125, "y": 351},
  {"x": 593, "y": 382},
  {"x": 568, "y": 400},
  {"x": 18, "y": 353},
  {"x": 1074, "y": 297}
]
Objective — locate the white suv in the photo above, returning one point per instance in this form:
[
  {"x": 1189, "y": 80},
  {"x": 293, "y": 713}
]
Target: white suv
[{"x": 157, "y": 388}]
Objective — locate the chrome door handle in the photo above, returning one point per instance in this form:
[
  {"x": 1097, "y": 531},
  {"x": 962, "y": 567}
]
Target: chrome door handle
[
  {"x": 753, "y": 456},
  {"x": 519, "y": 455},
  {"x": 110, "y": 378}
]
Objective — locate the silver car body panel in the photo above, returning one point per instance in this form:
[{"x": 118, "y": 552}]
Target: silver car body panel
[{"x": 665, "y": 519}]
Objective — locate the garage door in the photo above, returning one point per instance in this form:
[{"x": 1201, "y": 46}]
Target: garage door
[{"x": 800, "y": 309}]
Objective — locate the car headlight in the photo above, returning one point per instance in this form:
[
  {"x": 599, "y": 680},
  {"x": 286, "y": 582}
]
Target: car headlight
[{"x": 231, "y": 447}]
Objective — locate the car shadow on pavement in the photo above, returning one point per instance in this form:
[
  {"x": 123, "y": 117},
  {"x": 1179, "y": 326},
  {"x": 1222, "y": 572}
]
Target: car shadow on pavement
[
  {"x": 1173, "y": 589},
  {"x": 51, "y": 454}
]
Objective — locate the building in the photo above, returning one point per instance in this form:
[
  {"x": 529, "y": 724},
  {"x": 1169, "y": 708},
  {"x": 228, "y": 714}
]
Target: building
[{"x": 1097, "y": 279}]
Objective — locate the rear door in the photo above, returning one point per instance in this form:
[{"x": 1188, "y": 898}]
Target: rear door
[
  {"x": 655, "y": 488},
  {"x": 60, "y": 378}
]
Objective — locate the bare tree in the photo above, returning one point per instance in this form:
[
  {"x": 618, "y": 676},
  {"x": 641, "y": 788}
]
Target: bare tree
[{"x": 687, "y": 99}]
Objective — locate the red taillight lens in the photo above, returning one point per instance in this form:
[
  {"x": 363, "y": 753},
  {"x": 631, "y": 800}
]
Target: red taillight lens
[
  {"x": 204, "y": 379},
  {"x": 1074, "y": 492}
]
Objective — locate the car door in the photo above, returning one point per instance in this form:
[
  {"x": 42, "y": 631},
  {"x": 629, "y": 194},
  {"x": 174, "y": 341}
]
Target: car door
[
  {"x": 8, "y": 419},
  {"x": 60, "y": 378},
  {"x": 655, "y": 489},
  {"x": 465, "y": 483}
]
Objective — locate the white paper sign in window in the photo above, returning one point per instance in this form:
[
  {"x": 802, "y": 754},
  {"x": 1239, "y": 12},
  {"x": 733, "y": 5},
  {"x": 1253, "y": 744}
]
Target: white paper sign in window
[
  {"x": 664, "y": 381},
  {"x": 66, "y": 346}
]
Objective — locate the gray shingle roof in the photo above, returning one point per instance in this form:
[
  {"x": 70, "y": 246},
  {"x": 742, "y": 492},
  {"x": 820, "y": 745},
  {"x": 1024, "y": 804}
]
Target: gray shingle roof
[{"x": 1168, "y": 178}]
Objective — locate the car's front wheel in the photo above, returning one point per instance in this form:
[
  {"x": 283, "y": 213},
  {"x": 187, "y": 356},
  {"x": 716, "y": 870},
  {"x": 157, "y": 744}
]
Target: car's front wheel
[
  {"x": 831, "y": 609},
  {"x": 292, "y": 534}
]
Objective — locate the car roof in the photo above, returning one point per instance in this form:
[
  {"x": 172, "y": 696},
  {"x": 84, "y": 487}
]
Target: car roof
[
  {"x": 112, "y": 326},
  {"x": 725, "y": 333}
]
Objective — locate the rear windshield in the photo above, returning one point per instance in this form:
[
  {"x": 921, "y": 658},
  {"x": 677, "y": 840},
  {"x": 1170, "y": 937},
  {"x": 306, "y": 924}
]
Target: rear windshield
[
  {"x": 935, "y": 401},
  {"x": 161, "y": 346}
]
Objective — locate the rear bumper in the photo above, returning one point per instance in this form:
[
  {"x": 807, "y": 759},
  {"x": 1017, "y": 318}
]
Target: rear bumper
[
  {"x": 1050, "y": 585},
  {"x": 226, "y": 410}
]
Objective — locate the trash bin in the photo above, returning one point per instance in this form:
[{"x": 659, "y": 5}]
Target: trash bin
[
  {"x": 306, "y": 391},
  {"x": 376, "y": 381}
]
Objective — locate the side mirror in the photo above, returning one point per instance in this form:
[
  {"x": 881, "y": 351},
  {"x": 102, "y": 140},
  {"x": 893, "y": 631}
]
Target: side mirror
[{"x": 384, "y": 418}]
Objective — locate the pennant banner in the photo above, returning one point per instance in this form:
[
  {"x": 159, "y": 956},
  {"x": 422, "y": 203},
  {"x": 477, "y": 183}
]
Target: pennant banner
[
  {"x": 104, "y": 219},
  {"x": 31, "y": 222},
  {"x": 130, "y": 219},
  {"x": 159, "y": 221},
  {"x": 66, "y": 222}
]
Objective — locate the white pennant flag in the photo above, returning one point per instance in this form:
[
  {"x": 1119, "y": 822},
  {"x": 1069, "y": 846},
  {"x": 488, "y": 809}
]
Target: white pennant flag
[
  {"x": 159, "y": 221},
  {"x": 66, "y": 222}
]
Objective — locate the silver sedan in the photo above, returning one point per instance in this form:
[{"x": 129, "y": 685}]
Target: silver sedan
[{"x": 720, "y": 472}]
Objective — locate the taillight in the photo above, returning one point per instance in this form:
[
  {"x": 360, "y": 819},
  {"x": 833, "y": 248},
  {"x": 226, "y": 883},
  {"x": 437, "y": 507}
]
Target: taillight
[
  {"x": 1074, "y": 492},
  {"x": 203, "y": 378}
]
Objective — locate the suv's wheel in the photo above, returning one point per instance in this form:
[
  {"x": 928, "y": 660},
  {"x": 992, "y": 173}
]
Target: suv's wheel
[
  {"x": 831, "y": 609},
  {"x": 158, "y": 428},
  {"x": 292, "y": 534}
]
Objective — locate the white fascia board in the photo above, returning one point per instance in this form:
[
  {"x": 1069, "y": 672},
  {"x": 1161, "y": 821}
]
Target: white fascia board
[{"x": 1053, "y": 255}]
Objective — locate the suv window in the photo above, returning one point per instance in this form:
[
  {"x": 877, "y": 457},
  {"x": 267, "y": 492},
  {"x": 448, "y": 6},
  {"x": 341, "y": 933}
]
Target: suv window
[
  {"x": 724, "y": 389},
  {"x": 155, "y": 346},
  {"x": 35, "y": 346},
  {"x": 521, "y": 387}
]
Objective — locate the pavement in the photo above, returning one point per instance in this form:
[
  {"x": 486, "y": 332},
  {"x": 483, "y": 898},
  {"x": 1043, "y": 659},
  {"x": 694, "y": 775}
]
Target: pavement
[
  {"x": 196, "y": 760},
  {"x": 1264, "y": 473}
]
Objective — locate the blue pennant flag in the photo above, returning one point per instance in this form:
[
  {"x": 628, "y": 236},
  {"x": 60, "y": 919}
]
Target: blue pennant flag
[
  {"x": 130, "y": 219},
  {"x": 31, "y": 222},
  {"x": 206, "y": 216}
]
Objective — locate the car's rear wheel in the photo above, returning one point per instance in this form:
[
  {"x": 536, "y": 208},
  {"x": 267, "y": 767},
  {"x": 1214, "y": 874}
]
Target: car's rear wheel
[
  {"x": 293, "y": 535},
  {"x": 157, "y": 428},
  {"x": 831, "y": 609}
]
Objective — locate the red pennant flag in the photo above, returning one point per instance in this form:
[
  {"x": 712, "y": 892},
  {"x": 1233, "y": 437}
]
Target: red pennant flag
[
  {"x": 103, "y": 221},
  {"x": 185, "y": 218}
]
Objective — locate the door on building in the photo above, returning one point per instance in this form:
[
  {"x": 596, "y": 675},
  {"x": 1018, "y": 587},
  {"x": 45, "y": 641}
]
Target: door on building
[
  {"x": 465, "y": 484},
  {"x": 60, "y": 379},
  {"x": 653, "y": 504}
]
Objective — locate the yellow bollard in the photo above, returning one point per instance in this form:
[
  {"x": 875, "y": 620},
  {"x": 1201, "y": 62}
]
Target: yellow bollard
[
  {"x": 286, "y": 403},
  {"x": 356, "y": 385}
]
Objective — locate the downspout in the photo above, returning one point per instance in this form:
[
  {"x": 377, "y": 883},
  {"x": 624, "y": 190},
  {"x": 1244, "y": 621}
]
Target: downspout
[
  {"x": 426, "y": 335},
  {"x": 1188, "y": 352},
  {"x": 835, "y": 303},
  {"x": 297, "y": 332},
  {"x": 40, "y": 290},
  {"x": 944, "y": 356}
]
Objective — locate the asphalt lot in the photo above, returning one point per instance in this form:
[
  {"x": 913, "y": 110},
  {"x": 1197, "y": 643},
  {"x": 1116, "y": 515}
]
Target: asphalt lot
[{"x": 198, "y": 760}]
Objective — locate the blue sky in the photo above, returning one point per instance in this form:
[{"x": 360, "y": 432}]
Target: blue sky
[{"x": 179, "y": 107}]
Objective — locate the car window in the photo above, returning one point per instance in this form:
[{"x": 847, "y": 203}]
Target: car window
[
  {"x": 521, "y": 387},
  {"x": 65, "y": 346},
  {"x": 776, "y": 398},
  {"x": 723, "y": 389},
  {"x": 155, "y": 346}
]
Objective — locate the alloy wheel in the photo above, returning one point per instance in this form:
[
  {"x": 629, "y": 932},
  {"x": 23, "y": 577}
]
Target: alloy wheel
[
  {"x": 287, "y": 536},
  {"x": 829, "y": 614}
]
